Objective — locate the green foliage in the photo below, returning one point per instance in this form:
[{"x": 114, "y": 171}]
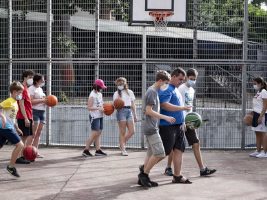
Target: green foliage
[
  {"x": 226, "y": 16},
  {"x": 258, "y": 2},
  {"x": 66, "y": 44},
  {"x": 258, "y": 24}
]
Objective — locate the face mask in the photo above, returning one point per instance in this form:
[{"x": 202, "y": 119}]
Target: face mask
[
  {"x": 19, "y": 97},
  {"x": 191, "y": 83},
  {"x": 120, "y": 87},
  {"x": 30, "y": 81},
  {"x": 42, "y": 84},
  {"x": 256, "y": 87}
]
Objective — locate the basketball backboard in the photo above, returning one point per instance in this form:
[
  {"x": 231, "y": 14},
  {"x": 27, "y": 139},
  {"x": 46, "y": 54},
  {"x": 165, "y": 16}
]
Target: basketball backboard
[{"x": 139, "y": 11}]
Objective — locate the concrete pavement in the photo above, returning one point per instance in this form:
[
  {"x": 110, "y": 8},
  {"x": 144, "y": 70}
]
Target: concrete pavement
[{"x": 65, "y": 174}]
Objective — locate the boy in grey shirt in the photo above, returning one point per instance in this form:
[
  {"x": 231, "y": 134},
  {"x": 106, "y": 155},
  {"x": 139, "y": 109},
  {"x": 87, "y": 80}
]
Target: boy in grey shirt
[{"x": 155, "y": 149}]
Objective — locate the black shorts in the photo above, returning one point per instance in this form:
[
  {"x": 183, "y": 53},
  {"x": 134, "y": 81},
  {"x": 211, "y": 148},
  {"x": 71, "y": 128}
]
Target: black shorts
[
  {"x": 27, "y": 131},
  {"x": 172, "y": 138},
  {"x": 191, "y": 136}
]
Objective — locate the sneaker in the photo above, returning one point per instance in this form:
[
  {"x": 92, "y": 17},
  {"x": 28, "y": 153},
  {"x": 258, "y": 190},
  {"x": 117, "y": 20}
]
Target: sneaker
[
  {"x": 141, "y": 168},
  {"x": 181, "y": 179},
  {"x": 254, "y": 154},
  {"x": 153, "y": 184},
  {"x": 144, "y": 180},
  {"x": 124, "y": 152},
  {"x": 168, "y": 171},
  {"x": 87, "y": 153},
  {"x": 262, "y": 155},
  {"x": 22, "y": 160},
  {"x": 40, "y": 156},
  {"x": 12, "y": 171},
  {"x": 100, "y": 153},
  {"x": 207, "y": 171}
]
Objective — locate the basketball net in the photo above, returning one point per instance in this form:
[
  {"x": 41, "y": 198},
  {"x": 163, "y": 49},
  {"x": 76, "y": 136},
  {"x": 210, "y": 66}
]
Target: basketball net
[{"x": 161, "y": 19}]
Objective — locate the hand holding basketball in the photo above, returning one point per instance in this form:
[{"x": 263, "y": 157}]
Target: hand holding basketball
[
  {"x": 108, "y": 108},
  {"x": 118, "y": 103},
  {"x": 193, "y": 120},
  {"x": 248, "y": 119},
  {"x": 51, "y": 100}
]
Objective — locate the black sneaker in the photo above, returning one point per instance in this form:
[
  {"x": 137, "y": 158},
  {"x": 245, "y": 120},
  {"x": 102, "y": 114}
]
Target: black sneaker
[
  {"x": 141, "y": 168},
  {"x": 168, "y": 171},
  {"x": 144, "y": 180},
  {"x": 87, "y": 153},
  {"x": 100, "y": 153},
  {"x": 181, "y": 179},
  {"x": 207, "y": 172},
  {"x": 153, "y": 184},
  {"x": 12, "y": 171},
  {"x": 22, "y": 160}
]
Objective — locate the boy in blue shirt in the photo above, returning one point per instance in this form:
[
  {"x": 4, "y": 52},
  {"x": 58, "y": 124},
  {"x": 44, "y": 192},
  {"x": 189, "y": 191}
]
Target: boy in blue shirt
[{"x": 172, "y": 135}]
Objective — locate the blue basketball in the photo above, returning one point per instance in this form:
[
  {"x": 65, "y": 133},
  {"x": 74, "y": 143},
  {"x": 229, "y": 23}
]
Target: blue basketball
[{"x": 193, "y": 120}]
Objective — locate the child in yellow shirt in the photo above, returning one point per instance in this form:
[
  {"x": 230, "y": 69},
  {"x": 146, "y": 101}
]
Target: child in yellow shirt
[{"x": 8, "y": 126}]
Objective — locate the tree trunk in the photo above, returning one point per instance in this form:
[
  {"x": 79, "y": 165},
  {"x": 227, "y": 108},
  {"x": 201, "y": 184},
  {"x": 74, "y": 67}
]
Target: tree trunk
[{"x": 66, "y": 77}]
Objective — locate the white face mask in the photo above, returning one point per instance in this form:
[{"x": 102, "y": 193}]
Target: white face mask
[
  {"x": 191, "y": 83},
  {"x": 30, "y": 81},
  {"x": 42, "y": 84},
  {"x": 19, "y": 97},
  {"x": 256, "y": 87},
  {"x": 120, "y": 87}
]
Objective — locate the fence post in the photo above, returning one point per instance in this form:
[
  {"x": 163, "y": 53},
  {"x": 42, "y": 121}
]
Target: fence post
[
  {"x": 97, "y": 2},
  {"x": 143, "y": 80},
  {"x": 49, "y": 68},
  {"x": 244, "y": 72},
  {"x": 195, "y": 42},
  {"x": 10, "y": 49}
]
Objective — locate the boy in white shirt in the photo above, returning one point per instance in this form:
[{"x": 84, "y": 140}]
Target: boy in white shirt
[{"x": 188, "y": 92}]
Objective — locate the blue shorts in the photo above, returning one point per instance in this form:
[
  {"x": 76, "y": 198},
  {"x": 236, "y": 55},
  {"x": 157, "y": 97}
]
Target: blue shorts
[
  {"x": 96, "y": 124},
  {"x": 10, "y": 135},
  {"x": 124, "y": 114},
  {"x": 38, "y": 116}
]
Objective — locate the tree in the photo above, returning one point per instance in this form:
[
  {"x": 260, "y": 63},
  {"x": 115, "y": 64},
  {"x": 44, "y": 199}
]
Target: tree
[
  {"x": 63, "y": 45},
  {"x": 226, "y": 16}
]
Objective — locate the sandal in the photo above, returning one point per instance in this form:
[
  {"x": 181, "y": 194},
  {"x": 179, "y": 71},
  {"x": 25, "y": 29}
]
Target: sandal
[{"x": 181, "y": 179}]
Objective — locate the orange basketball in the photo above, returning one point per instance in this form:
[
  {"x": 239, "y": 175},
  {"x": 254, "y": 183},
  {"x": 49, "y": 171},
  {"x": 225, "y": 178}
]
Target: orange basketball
[
  {"x": 108, "y": 108},
  {"x": 30, "y": 153},
  {"x": 51, "y": 100},
  {"x": 248, "y": 119},
  {"x": 118, "y": 103}
]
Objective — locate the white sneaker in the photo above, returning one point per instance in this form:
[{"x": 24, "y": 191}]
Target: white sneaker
[
  {"x": 262, "y": 155},
  {"x": 124, "y": 152},
  {"x": 254, "y": 154}
]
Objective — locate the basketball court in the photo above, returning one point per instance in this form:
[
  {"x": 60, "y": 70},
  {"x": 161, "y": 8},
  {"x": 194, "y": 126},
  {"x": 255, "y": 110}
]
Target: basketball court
[{"x": 65, "y": 174}]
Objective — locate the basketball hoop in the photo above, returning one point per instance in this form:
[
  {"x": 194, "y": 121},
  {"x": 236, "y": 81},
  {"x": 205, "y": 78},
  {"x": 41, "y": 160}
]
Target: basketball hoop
[{"x": 161, "y": 19}]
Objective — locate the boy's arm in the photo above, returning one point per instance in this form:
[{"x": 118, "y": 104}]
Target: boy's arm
[
  {"x": 170, "y": 107},
  {"x": 18, "y": 130},
  {"x": 149, "y": 111},
  {"x": 164, "y": 102},
  {"x": 23, "y": 112},
  {"x": 3, "y": 119}
]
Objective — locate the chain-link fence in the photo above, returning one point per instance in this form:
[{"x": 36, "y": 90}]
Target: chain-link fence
[{"x": 74, "y": 42}]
